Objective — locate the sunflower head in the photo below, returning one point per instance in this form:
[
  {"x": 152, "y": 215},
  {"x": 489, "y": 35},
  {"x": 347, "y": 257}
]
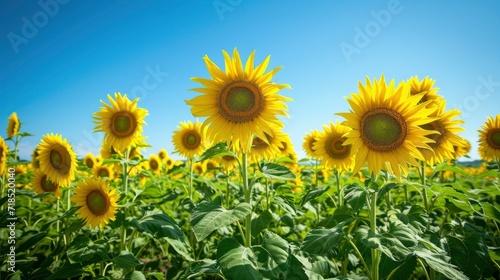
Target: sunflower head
[
  {"x": 121, "y": 121},
  {"x": 163, "y": 155},
  {"x": 154, "y": 164},
  {"x": 89, "y": 160},
  {"x": 103, "y": 171},
  {"x": 189, "y": 139},
  {"x": 267, "y": 148},
  {"x": 489, "y": 139},
  {"x": 199, "y": 167},
  {"x": 169, "y": 163},
  {"x": 239, "y": 102},
  {"x": 3, "y": 155},
  {"x": 41, "y": 184},
  {"x": 309, "y": 141},
  {"x": 462, "y": 149},
  {"x": 425, "y": 86},
  {"x": 385, "y": 122},
  {"x": 13, "y": 126},
  {"x": 57, "y": 159},
  {"x": 97, "y": 202},
  {"x": 228, "y": 162},
  {"x": 331, "y": 149}
]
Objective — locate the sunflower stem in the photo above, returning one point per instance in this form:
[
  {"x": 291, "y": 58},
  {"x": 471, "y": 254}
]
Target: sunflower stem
[
  {"x": 228, "y": 193},
  {"x": 190, "y": 179},
  {"x": 424, "y": 189},
  {"x": 125, "y": 173},
  {"x": 373, "y": 226},
  {"x": 248, "y": 197},
  {"x": 16, "y": 143},
  {"x": 339, "y": 189},
  {"x": 316, "y": 172}
]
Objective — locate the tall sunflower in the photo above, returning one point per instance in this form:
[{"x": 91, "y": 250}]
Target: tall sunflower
[
  {"x": 3, "y": 155},
  {"x": 57, "y": 159},
  {"x": 489, "y": 139},
  {"x": 41, "y": 184},
  {"x": 267, "y": 149},
  {"x": 228, "y": 162},
  {"x": 154, "y": 164},
  {"x": 309, "y": 141},
  {"x": 189, "y": 139},
  {"x": 97, "y": 202},
  {"x": 239, "y": 102},
  {"x": 103, "y": 171},
  {"x": 426, "y": 86},
  {"x": 163, "y": 155},
  {"x": 442, "y": 148},
  {"x": 385, "y": 123},
  {"x": 89, "y": 160},
  {"x": 331, "y": 149},
  {"x": 13, "y": 126},
  {"x": 121, "y": 122}
]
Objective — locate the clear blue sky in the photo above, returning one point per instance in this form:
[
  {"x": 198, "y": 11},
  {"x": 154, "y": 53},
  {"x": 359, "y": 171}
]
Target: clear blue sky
[{"x": 59, "y": 58}]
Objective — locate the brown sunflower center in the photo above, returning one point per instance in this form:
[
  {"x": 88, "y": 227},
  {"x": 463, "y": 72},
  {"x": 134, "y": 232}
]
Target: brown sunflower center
[
  {"x": 438, "y": 126},
  {"x": 284, "y": 146},
  {"x": 47, "y": 185},
  {"x": 335, "y": 149},
  {"x": 60, "y": 159},
  {"x": 89, "y": 163},
  {"x": 103, "y": 172},
  {"x": 153, "y": 164},
  {"x": 98, "y": 202},
  {"x": 240, "y": 101},
  {"x": 210, "y": 165},
  {"x": 260, "y": 144},
  {"x": 228, "y": 158},
  {"x": 123, "y": 124},
  {"x": 191, "y": 140},
  {"x": 383, "y": 129},
  {"x": 162, "y": 155},
  {"x": 493, "y": 138}
]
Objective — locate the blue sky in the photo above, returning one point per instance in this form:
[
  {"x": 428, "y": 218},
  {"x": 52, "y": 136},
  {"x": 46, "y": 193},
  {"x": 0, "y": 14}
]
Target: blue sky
[{"x": 60, "y": 57}]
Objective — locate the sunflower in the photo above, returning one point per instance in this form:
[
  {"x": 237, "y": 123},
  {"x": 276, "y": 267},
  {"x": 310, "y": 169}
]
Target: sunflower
[
  {"x": 329, "y": 147},
  {"x": 228, "y": 162},
  {"x": 489, "y": 139},
  {"x": 121, "y": 122},
  {"x": 442, "y": 148},
  {"x": 163, "y": 155},
  {"x": 189, "y": 139},
  {"x": 426, "y": 86},
  {"x": 107, "y": 151},
  {"x": 385, "y": 124},
  {"x": 13, "y": 126},
  {"x": 103, "y": 171},
  {"x": 267, "y": 149},
  {"x": 199, "y": 167},
  {"x": 462, "y": 149},
  {"x": 211, "y": 164},
  {"x": 41, "y": 184},
  {"x": 57, "y": 159},
  {"x": 308, "y": 144},
  {"x": 169, "y": 163},
  {"x": 154, "y": 163},
  {"x": 97, "y": 202},
  {"x": 3, "y": 155},
  {"x": 34, "y": 161},
  {"x": 239, "y": 102},
  {"x": 89, "y": 160}
]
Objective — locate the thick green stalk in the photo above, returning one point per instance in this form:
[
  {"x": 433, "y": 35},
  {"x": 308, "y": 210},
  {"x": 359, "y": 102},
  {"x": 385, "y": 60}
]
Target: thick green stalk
[
  {"x": 373, "y": 226},
  {"x": 339, "y": 190},
  {"x": 191, "y": 179},
  {"x": 123, "y": 234},
  {"x": 424, "y": 189},
  {"x": 248, "y": 197}
]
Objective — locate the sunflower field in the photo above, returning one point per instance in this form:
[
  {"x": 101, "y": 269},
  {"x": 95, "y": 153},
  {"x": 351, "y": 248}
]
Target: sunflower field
[{"x": 380, "y": 196}]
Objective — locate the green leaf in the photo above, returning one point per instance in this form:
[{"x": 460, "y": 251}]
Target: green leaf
[
  {"x": 151, "y": 191},
  {"x": 446, "y": 167},
  {"x": 386, "y": 243},
  {"x": 324, "y": 241},
  {"x": 439, "y": 263},
  {"x": 384, "y": 190},
  {"x": 415, "y": 216},
  {"x": 274, "y": 171},
  {"x": 397, "y": 270},
  {"x": 88, "y": 252},
  {"x": 260, "y": 223},
  {"x": 159, "y": 225},
  {"x": 208, "y": 217},
  {"x": 490, "y": 211},
  {"x": 217, "y": 150},
  {"x": 201, "y": 268},
  {"x": 135, "y": 275},
  {"x": 314, "y": 193},
  {"x": 236, "y": 261},
  {"x": 471, "y": 255},
  {"x": 126, "y": 260},
  {"x": 273, "y": 256},
  {"x": 29, "y": 239},
  {"x": 67, "y": 271},
  {"x": 110, "y": 160},
  {"x": 181, "y": 247},
  {"x": 355, "y": 196}
]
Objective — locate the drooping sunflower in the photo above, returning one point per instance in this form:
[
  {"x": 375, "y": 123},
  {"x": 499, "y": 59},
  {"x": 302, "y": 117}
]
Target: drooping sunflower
[
  {"x": 13, "y": 126},
  {"x": 97, "y": 202},
  {"x": 89, "y": 160},
  {"x": 121, "y": 122},
  {"x": 3, "y": 155},
  {"x": 103, "y": 171},
  {"x": 426, "y": 85},
  {"x": 41, "y": 184},
  {"x": 442, "y": 148},
  {"x": 329, "y": 147},
  {"x": 489, "y": 139},
  {"x": 385, "y": 122},
  {"x": 267, "y": 149},
  {"x": 462, "y": 149},
  {"x": 163, "y": 155},
  {"x": 57, "y": 159},
  {"x": 308, "y": 144},
  {"x": 189, "y": 139},
  {"x": 239, "y": 102},
  {"x": 154, "y": 164}
]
